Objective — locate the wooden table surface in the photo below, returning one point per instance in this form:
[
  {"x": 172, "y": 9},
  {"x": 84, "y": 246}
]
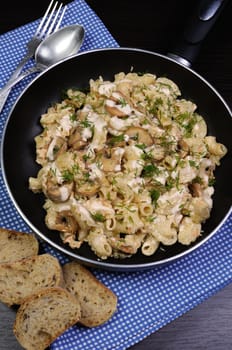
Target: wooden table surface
[{"x": 154, "y": 25}]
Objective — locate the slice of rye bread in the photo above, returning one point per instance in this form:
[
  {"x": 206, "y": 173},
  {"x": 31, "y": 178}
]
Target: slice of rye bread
[
  {"x": 43, "y": 317},
  {"x": 21, "y": 278},
  {"x": 15, "y": 245},
  {"x": 98, "y": 303}
]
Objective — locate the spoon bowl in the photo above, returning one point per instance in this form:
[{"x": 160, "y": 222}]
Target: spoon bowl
[{"x": 61, "y": 44}]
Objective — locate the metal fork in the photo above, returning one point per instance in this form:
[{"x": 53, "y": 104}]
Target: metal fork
[{"x": 49, "y": 23}]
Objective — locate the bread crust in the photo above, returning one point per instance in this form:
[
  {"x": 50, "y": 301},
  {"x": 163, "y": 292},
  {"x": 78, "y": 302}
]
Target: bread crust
[
  {"x": 44, "y": 316},
  {"x": 98, "y": 303},
  {"x": 16, "y": 245}
]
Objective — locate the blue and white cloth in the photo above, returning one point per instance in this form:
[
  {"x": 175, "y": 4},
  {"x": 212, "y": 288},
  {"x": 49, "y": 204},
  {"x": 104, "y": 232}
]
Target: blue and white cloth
[{"x": 147, "y": 300}]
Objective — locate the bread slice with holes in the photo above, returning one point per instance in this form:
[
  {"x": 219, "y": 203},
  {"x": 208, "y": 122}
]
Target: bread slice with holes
[
  {"x": 98, "y": 303},
  {"x": 15, "y": 245},
  {"x": 21, "y": 278},
  {"x": 43, "y": 317}
]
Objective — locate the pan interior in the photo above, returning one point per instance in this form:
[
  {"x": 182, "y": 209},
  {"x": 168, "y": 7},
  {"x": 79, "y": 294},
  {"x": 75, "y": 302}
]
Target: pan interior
[{"x": 18, "y": 152}]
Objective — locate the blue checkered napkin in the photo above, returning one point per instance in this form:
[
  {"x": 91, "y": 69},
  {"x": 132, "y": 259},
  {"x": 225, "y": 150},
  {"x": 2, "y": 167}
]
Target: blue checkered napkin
[{"x": 146, "y": 300}]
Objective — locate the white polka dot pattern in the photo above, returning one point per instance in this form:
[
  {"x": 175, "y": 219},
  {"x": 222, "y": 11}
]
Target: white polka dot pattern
[{"x": 146, "y": 300}]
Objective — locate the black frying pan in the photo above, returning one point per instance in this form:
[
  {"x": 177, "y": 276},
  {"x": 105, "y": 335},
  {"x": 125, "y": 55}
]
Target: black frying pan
[{"x": 18, "y": 148}]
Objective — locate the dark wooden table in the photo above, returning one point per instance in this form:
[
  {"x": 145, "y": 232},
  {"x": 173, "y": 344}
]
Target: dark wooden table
[{"x": 155, "y": 25}]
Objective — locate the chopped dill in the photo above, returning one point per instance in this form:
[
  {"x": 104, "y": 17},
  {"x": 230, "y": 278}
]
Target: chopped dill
[
  {"x": 149, "y": 170},
  {"x": 98, "y": 217}
]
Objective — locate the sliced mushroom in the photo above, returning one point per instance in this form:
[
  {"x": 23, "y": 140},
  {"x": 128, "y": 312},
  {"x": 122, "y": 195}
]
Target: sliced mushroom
[
  {"x": 141, "y": 135},
  {"x": 75, "y": 140},
  {"x": 117, "y": 105},
  {"x": 58, "y": 193},
  {"x": 196, "y": 189},
  {"x": 112, "y": 161},
  {"x": 56, "y": 147},
  {"x": 63, "y": 221}
]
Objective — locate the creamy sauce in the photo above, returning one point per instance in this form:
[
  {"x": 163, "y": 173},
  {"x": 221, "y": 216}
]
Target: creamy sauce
[
  {"x": 86, "y": 134},
  {"x": 64, "y": 193},
  {"x": 50, "y": 151}
]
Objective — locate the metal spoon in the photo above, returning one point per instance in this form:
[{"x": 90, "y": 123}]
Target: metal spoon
[{"x": 59, "y": 45}]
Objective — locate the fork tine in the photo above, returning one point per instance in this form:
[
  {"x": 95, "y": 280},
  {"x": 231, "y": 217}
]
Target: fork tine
[
  {"x": 48, "y": 20},
  {"x": 55, "y": 19},
  {"x": 60, "y": 19},
  {"x": 44, "y": 17}
]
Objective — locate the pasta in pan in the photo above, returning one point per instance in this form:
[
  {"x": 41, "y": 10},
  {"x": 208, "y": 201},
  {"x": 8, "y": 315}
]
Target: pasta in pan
[{"x": 126, "y": 166}]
